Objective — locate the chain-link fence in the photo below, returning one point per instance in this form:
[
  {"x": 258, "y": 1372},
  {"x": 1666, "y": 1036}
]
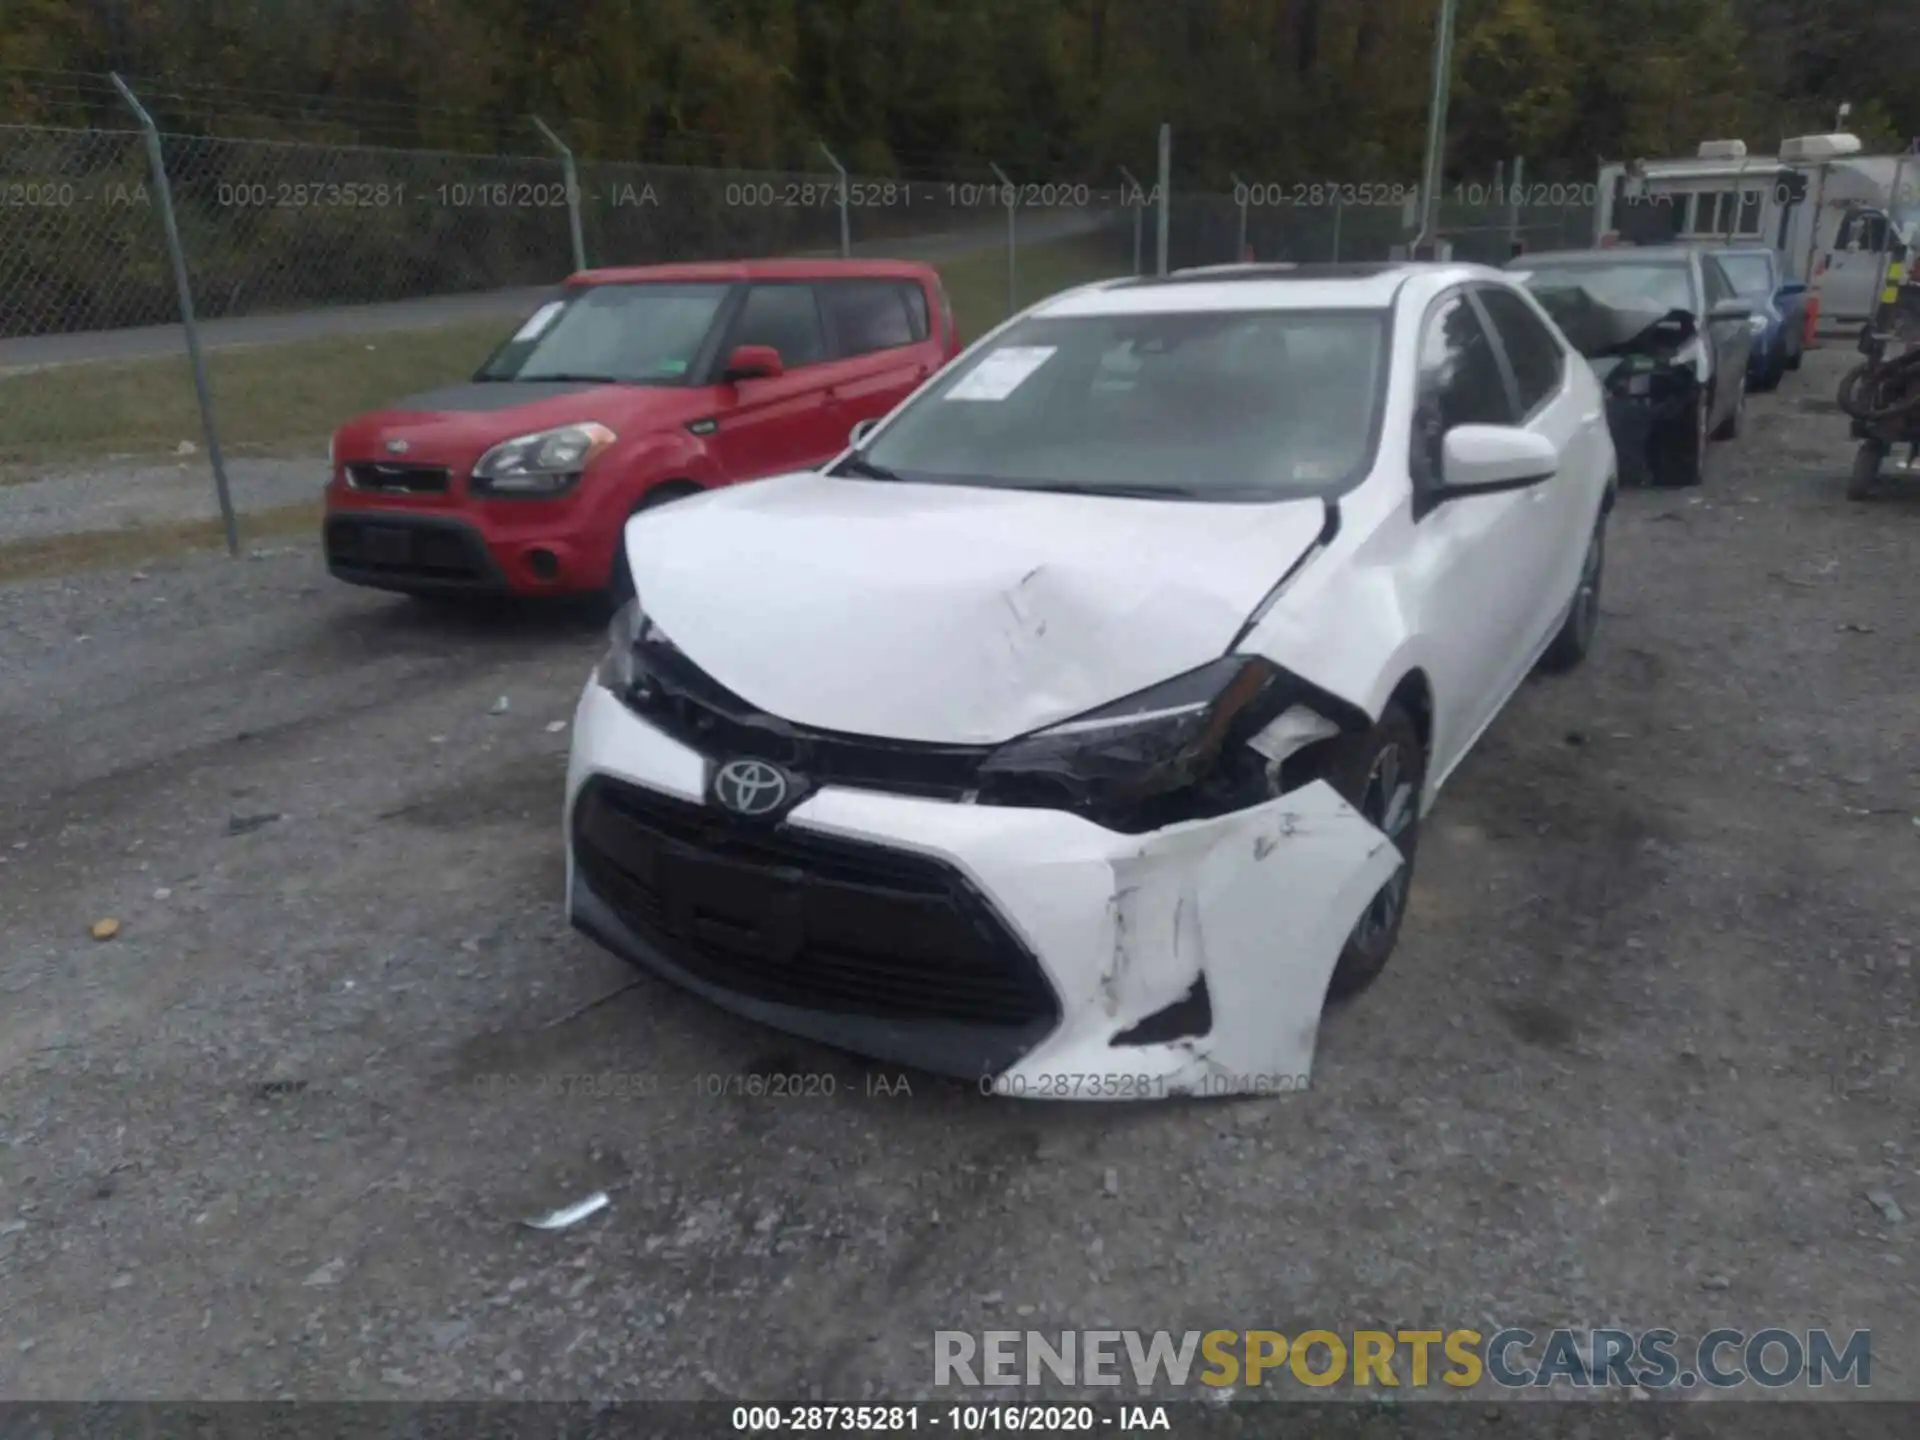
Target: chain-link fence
[{"x": 328, "y": 278}]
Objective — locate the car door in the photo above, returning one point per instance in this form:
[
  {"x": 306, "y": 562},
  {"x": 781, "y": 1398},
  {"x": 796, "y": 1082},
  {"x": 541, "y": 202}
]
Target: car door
[
  {"x": 775, "y": 424},
  {"x": 1475, "y": 558},
  {"x": 1855, "y": 265},
  {"x": 1729, "y": 340},
  {"x": 1550, "y": 401},
  {"x": 882, "y": 343}
]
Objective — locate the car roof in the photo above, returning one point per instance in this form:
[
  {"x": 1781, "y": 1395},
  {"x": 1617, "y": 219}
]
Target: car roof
[
  {"x": 1614, "y": 254},
  {"x": 1371, "y": 286},
  {"x": 734, "y": 272}
]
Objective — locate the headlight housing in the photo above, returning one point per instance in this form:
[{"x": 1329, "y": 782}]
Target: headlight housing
[
  {"x": 1758, "y": 323},
  {"x": 547, "y": 462},
  {"x": 622, "y": 669},
  {"x": 1177, "y": 751}
]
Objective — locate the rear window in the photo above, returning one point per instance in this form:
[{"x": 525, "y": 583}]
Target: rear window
[{"x": 640, "y": 334}]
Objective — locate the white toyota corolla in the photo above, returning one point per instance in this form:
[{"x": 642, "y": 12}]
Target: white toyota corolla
[{"x": 1073, "y": 731}]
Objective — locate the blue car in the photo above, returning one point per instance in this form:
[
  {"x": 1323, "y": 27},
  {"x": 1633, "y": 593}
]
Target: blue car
[{"x": 1779, "y": 304}]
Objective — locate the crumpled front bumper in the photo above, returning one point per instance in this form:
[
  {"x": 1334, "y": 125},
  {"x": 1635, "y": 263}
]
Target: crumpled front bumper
[
  {"x": 1253, "y": 907},
  {"x": 1649, "y": 425}
]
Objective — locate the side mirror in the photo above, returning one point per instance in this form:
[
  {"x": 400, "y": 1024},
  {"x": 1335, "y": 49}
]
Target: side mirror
[
  {"x": 1482, "y": 458},
  {"x": 861, "y": 429},
  {"x": 1730, "y": 310},
  {"x": 753, "y": 362}
]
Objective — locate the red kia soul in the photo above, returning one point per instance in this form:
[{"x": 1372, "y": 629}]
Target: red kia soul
[{"x": 629, "y": 388}]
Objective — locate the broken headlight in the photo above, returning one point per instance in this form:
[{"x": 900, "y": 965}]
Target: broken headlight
[
  {"x": 629, "y": 635},
  {"x": 1177, "y": 751}
]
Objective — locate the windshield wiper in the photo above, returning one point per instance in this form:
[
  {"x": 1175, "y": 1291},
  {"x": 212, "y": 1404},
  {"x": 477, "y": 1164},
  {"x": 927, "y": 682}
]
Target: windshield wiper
[
  {"x": 567, "y": 379},
  {"x": 858, "y": 464}
]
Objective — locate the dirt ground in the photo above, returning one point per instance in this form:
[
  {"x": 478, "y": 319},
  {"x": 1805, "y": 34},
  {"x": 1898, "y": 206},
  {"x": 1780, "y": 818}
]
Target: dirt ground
[{"x": 1643, "y": 1052}]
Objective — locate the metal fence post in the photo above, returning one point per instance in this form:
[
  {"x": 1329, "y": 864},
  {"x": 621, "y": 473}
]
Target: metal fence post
[
  {"x": 1513, "y": 202},
  {"x": 1166, "y": 193},
  {"x": 846, "y": 226},
  {"x": 1240, "y": 242},
  {"x": 573, "y": 191},
  {"x": 1435, "y": 169},
  {"x": 1139, "y": 213},
  {"x": 157, "y": 160},
  {"x": 1013, "y": 198},
  {"x": 1338, "y": 208}
]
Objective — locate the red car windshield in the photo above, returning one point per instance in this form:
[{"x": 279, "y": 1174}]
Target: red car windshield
[{"x": 641, "y": 334}]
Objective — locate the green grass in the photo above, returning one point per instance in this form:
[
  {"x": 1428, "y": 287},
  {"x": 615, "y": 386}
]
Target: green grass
[
  {"x": 45, "y": 557},
  {"x": 291, "y": 396}
]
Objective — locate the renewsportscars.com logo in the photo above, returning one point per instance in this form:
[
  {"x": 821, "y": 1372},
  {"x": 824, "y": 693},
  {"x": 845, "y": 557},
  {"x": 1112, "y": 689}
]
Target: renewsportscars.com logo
[{"x": 1412, "y": 1359}]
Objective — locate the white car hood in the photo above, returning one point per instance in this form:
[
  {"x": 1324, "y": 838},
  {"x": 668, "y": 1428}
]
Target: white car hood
[{"x": 947, "y": 613}]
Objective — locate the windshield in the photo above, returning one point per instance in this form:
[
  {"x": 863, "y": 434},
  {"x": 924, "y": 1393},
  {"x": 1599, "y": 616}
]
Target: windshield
[
  {"x": 645, "y": 334},
  {"x": 1656, "y": 286},
  {"x": 1750, "y": 273},
  {"x": 1211, "y": 406}
]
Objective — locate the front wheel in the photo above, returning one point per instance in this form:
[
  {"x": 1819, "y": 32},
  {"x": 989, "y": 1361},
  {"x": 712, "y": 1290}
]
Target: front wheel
[
  {"x": 1575, "y": 637},
  {"x": 1381, "y": 774},
  {"x": 619, "y": 587},
  {"x": 1730, "y": 427},
  {"x": 1682, "y": 460},
  {"x": 1865, "y": 478}
]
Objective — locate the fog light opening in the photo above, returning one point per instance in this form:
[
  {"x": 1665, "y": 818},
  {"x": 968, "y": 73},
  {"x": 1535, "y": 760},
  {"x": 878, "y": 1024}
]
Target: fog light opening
[{"x": 544, "y": 564}]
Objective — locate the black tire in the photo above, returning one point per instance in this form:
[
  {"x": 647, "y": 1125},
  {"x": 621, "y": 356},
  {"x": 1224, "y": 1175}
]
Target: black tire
[
  {"x": 619, "y": 587},
  {"x": 1364, "y": 768},
  {"x": 1795, "y": 355},
  {"x": 1865, "y": 479},
  {"x": 1681, "y": 462},
  {"x": 1575, "y": 637},
  {"x": 1730, "y": 427},
  {"x": 1773, "y": 372}
]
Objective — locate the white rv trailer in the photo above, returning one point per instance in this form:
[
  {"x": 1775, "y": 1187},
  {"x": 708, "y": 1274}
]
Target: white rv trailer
[{"x": 1832, "y": 212}]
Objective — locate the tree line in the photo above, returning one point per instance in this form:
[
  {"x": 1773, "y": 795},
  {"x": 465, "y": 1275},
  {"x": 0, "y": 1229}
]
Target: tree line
[{"x": 1270, "y": 90}]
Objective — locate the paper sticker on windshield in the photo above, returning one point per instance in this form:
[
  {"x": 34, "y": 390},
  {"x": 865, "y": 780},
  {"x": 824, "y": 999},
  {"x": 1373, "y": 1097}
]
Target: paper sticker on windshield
[
  {"x": 538, "y": 322},
  {"x": 1002, "y": 372}
]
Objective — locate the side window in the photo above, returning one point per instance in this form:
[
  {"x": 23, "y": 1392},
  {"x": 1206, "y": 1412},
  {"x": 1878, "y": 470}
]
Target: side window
[
  {"x": 1748, "y": 225},
  {"x": 1873, "y": 232},
  {"x": 918, "y": 320},
  {"x": 1459, "y": 383},
  {"x": 868, "y": 315},
  {"x": 1537, "y": 359},
  {"x": 787, "y": 317}
]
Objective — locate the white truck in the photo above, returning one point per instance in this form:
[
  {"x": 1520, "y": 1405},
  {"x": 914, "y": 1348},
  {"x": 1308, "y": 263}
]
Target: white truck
[{"x": 1832, "y": 212}]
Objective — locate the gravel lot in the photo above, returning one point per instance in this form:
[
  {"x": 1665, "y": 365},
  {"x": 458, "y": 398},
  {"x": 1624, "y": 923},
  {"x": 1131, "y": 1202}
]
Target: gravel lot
[{"x": 1642, "y": 1053}]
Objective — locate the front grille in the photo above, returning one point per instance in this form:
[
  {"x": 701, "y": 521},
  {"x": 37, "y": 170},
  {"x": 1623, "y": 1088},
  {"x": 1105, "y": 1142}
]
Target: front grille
[
  {"x": 397, "y": 479},
  {"x": 678, "y": 697},
  {"x": 407, "y": 550},
  {"x": 816, "y": 922}
]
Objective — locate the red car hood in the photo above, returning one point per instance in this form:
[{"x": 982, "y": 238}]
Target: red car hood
[{"x": 454, "y": 425}]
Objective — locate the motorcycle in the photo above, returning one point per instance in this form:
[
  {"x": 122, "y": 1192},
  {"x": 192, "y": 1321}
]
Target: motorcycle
[{"x": 1881, "y": 395}]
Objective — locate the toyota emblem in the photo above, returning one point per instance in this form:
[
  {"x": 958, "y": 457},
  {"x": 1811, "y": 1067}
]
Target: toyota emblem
[
  {"x": 396, "y": 447},
  {"x": 752, "y": 788}
]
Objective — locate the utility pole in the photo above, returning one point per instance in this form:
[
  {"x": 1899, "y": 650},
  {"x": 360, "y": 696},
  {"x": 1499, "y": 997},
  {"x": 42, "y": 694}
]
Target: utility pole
[{"x": 1436, "y": 130}]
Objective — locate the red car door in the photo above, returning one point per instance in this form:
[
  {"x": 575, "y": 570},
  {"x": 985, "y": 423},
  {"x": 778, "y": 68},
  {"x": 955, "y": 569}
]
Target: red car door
[
  {"x": 883, "y": 332},
  {"x": 774, "y": 424}
]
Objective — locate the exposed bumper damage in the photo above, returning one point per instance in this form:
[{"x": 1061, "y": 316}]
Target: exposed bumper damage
[{"x": 1188, "y": 960}]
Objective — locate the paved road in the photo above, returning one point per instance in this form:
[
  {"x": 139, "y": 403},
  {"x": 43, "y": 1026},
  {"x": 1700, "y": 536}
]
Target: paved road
[
  {"x": 155, "y": 340},
  {"x": 1646, "y": 1048}
]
